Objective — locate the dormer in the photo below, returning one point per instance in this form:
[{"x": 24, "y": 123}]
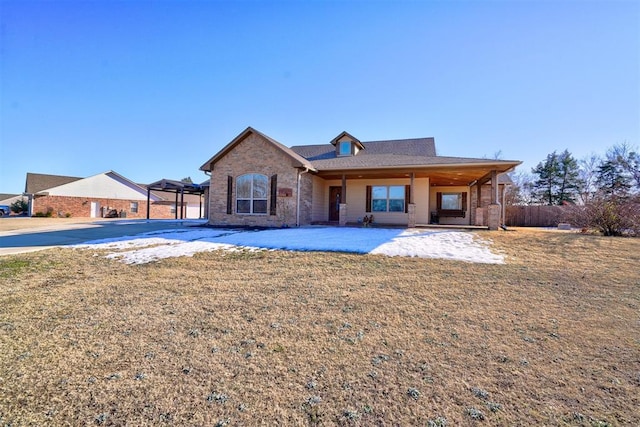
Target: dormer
[{"x": 346, "y": 145}]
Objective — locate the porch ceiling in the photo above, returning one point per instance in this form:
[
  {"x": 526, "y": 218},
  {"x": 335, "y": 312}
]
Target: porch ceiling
[{"x": 439, "y": 176}]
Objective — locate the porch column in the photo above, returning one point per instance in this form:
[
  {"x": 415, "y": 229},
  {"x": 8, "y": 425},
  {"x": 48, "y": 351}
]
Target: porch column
[
  {"x": 411, "y": 206},
  {"x": 493, "y": 214},
  {"x": 479, "y": 220},
  {"x": 344, "y": 189},
  {"x": 342, "y": 220},
  {"x": 412, "y": 198},
  {"x": 343, "y": 214}
]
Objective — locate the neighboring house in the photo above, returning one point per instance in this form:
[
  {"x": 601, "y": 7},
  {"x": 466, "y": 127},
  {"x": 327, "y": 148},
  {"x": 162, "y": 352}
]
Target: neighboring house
[
  {"x": 96, "y": 196},
  {"x": 92, "y": 197},
  {"x": 9, "y": 199},
  {"x": 257, "y": 181}
]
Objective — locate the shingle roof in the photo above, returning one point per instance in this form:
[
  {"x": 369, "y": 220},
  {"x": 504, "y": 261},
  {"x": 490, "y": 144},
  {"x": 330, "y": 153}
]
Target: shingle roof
[
  {"x": 377, "y": 154},
  {"x": 408, "y": 147},
  {"x": 289, "y": 152},
  {"x": 37, "y": 182},
  {"x": 5, "y": 196}
]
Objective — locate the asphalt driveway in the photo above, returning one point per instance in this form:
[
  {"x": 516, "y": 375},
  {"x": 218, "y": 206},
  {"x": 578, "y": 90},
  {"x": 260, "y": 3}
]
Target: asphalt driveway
[{"x": 54, "y": 235}]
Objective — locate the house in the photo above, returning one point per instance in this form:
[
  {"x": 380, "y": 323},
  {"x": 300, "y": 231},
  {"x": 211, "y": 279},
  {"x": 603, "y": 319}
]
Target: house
[
  {"x": 257, "y": 181},
  {"x": 100, "y": 195}
]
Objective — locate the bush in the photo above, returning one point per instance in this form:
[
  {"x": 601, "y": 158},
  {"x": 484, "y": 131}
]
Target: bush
[
  {"x": 19, "y": 206},
  {"x": 613, "y": 216}
]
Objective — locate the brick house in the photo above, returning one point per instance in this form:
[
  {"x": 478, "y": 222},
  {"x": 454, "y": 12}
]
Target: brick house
[
  {"x": 94, "y": 196},
  {"x": 257, "y": 181}
]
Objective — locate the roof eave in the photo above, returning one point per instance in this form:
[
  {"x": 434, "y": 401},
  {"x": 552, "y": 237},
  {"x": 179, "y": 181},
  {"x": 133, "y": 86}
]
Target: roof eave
[{"x": 511, "y": 164}]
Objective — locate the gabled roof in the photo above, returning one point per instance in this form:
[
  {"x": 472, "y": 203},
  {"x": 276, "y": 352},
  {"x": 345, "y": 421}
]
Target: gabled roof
[
  {"x": 37, "y": 182},
  {"x": 378, "y": 150},
  {"x": 335, "y": 140},
  {"x": 298, "y": 161},
  {"x": 350, "y": 137},
  {"x": 99, "y": 185}
]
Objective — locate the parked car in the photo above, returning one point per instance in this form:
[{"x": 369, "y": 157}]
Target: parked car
[{"x": 5, "y": 210}]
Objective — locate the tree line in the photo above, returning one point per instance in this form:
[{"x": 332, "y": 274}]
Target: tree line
[{"x": 601, "y": 192}]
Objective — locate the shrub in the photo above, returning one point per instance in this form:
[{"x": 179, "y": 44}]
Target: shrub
[
  {"x": 19, "y": 206},
  {"x": 612, "y": 216}
]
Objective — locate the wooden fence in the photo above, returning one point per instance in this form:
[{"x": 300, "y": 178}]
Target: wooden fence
[{"x": 534, "y": 216}]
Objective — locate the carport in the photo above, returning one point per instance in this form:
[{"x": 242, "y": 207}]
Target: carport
[{"x": 179, "y": 188}]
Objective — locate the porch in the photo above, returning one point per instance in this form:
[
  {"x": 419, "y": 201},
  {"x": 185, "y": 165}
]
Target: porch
[{"x": 439, "y": 198}]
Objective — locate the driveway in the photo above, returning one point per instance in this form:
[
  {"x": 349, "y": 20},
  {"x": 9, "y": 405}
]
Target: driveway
[{"x": 38, "y": 237}]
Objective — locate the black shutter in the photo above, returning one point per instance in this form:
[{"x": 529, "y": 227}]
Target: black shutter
[
  {"x": 274, "y": 195},
  {"x": 368, "y": 207},
  {"x": 438, "y": 200},
  {"x": 464, "y": 201},
  {"x": 229, "y": 195},
  {"x": 407, "y": 197}
]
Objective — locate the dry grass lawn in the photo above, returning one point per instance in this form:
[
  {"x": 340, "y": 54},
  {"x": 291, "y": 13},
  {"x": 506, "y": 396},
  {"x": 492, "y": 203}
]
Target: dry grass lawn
[{"x": 552, "y": 337}]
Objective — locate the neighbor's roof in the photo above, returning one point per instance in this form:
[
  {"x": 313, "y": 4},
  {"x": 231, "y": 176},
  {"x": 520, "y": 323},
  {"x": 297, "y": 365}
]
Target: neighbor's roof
[
  {"x": 37, "y": 182},
  {"x": 297, "y": 159},
  {"x": 5, "y": 196}
]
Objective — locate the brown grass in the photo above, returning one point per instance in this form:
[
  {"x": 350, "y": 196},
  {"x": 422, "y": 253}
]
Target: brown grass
[{"x": 264, "y": 338}]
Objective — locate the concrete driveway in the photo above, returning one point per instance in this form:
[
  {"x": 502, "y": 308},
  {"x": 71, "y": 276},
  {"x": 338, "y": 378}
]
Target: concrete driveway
[{"x": 54, "y": 235}]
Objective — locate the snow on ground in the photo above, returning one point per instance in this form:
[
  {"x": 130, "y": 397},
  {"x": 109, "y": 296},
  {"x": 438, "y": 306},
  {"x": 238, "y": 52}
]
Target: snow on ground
[{"x": 157, "y": 245}]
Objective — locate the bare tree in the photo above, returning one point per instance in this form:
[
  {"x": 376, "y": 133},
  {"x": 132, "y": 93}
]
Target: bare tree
[
  {"x": 588, "y": 174},
  {"x": 520, "y": 192}
]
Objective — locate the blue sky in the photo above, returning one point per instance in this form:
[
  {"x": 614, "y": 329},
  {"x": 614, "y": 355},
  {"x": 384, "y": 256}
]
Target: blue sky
[{"x": 152, "y": 89}]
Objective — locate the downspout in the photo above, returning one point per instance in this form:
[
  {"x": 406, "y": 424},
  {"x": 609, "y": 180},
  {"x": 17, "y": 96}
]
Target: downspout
[{"x": 306, "y": 170}]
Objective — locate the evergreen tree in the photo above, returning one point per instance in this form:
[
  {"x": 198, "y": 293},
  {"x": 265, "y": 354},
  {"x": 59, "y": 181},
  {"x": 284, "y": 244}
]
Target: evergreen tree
[
  {"x": 557, "y": 180},
  {"x": 612, "y": 179}
]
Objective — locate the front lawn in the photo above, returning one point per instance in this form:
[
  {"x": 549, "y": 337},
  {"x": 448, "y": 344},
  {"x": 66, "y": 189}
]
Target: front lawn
[{"x": 550, "y": 337}]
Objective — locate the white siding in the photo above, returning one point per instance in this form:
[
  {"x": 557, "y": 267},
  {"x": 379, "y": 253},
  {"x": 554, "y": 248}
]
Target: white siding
[
  {"x": 102, "y": 186},
  {"x": 319, "y": 209},
  {"x": 193, "y": 211}
]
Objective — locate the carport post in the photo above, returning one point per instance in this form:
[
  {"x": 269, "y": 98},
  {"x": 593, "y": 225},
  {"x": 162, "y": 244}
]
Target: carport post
[
  {"x": 176, "y": 213},
  {"x": 148, "y": 203},
  {"x": 182, "y": 203}
]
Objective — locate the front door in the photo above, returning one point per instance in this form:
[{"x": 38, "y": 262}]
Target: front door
[{"x": 335, "y": 198}]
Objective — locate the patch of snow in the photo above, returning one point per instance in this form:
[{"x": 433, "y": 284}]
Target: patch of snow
[{"x": 443, "y": 244}]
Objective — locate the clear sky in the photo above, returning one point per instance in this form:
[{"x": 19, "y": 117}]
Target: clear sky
[{"x": 152, "y": 89}]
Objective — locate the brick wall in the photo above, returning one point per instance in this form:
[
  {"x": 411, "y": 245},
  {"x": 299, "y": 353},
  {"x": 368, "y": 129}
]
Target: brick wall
[
  {"x": 485, "y": 200},
  {"x": 255, "y": 155},
  {"x": 80, "y": 207}
]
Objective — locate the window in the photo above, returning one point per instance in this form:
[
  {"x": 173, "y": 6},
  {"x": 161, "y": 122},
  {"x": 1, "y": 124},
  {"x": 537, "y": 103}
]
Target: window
[
  {"x": 173, "y": 208},
  {"x": 251, "y": 194},
  {"x": 134, "y": 207},
  {"x": 452, "y": 201},
  {"x": 387, "y": 198},
  {"x": 345, "y": 148}
]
